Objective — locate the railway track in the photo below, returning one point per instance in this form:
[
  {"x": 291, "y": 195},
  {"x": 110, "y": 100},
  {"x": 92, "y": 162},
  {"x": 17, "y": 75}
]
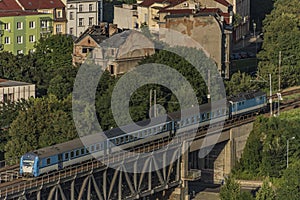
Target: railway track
[{"x": 8, "y": 186}]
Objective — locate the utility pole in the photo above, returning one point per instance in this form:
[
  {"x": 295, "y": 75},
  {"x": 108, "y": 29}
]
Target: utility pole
[
  {"x": 271, "y": 107},
  {"x": 150, "y": 103},
  {"x": 154, "y": 112},
  {"x": 208, "y": 86},
  {"x": 154, "y": 103},
  {"x": 279, "y": 66}
]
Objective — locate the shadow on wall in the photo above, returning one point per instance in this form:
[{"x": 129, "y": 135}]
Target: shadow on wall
[{"x": 108, "y": 10}]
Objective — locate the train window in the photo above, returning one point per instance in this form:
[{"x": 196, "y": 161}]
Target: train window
[
  {"x": 117, "y": 141},
  {"x": 66, "y": 156},
  {"x": 82, "y": 151},
  {"x": 77, "y": 152},
  {"x": 92, "y": 148},
  {"x": 243, "y": 102},
  {"x": 60, "y": 157},
  {"x": 239, "y": 103},
  {"x": 88, "y": 150},
  {"x": 72, "y": 154},
  {"x": 122, "y": 140},
  {"x": 48, "y": 161},
  {"x": 203, "y": 116},
  {"x": 97, "y": 147},
  {"x": 187, "y": 121},
  {"x": 208, "y": 115}
]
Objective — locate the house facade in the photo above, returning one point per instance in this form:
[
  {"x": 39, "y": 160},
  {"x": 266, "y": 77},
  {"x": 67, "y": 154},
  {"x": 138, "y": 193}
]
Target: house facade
[
  {"x": 126, "y": 16},
  {"x": 122, "y": 52},
  {"x": 82, "y": 14},
  {"x": 215, "y": 37},
  {"x": 11, "y": 91},
  {"x": 54, "y": 7},
  {"x": 19, "y": 31}
]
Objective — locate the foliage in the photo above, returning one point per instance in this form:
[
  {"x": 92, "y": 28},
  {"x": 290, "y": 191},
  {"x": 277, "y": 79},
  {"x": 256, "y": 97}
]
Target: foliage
[
  {"x": 51, "y": 60},
  {"x": 46, "y": 122},
  {"x": 290, "y": 183},
  {"x": 240, "y": 82},
  {"x": 266, "y": 192},
  {"x": 231, "y": 190},
  {"x": 282, "y": 33},
  {"x": 265, "y": 151}
]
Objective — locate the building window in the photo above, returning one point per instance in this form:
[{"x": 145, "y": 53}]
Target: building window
[
  {"x": 8, "y": 98},
  {"x": 91, "y": 21},
  {"x": 71, "y": 31},
  {"x": 90, "y": 7},
  {"x": 80, "y": 8},
  {"x": 19, "y": 51},
  {"x": 31, "y": 38},
  {"x": 59, "y": 14},
  {"x": 43, "y": 24},
  {"x": 31, "y": 24},
  {"x": 58, "y": 28},
  {"x": 6, "y": 40},
  {"x": 7, "y": 26},
  {"x": 84, "y": 50},
  {"x": 19, "y": 39},
  {"x": 71, "y": 15},
  {"x": 80, "y": 22},
  {"x": 19, "y": 25}
]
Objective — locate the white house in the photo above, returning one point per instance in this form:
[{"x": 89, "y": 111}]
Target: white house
[{"x": 82, "y": 14}]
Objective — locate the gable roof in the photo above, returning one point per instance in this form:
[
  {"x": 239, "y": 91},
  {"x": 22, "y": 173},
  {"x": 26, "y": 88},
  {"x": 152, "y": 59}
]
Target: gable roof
[
  {"x": 6, "y": 5},
  {"x": 41, "y": 4},
  {"x": 96, "y": 32}
]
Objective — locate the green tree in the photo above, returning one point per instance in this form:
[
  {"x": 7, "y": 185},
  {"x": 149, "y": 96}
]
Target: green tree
[
  {"x": 46, "y": 122},
  {"x": 290, "y": 183},
  {"x": 230, "y": 190},
  {"x": 281, "y": 33},
  {"x": 266, "y": 192}
]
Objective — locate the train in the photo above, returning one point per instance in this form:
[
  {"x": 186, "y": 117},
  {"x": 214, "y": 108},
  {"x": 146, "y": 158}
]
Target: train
[{"x": 59, "y": 156}]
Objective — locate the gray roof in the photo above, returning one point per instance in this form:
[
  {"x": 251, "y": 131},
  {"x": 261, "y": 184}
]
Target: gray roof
[
  {"x": 117, "y": 40},
  {"x": 10, "y": 83}
]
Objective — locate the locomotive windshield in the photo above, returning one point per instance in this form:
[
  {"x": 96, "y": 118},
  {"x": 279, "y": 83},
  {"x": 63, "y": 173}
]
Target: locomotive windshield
[{"x": 28, "y": 163}]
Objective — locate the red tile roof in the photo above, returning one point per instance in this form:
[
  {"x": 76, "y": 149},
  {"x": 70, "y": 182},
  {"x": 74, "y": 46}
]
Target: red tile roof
[
  {"x": 223, "y": 2},
  {"x": 177, "y": 11},
  {"x": 18, "y": 13},
  {"x": 41, "y": 4},
  {"x": 9, "y": 5},
  {"x": 148, "y": 3}
]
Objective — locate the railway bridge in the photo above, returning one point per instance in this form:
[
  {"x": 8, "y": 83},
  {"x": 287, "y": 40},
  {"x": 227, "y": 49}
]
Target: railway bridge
[{"x": 94, "y": 180}]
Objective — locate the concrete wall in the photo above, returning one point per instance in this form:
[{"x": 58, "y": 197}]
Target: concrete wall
[
  {"x": 125, "y": 16},
  {"x": 206, "y": 30},
  {"x": 219, "y": 162}
]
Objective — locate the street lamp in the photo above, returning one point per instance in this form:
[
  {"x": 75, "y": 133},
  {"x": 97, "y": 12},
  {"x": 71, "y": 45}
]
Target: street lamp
[
  {"x": 287, "y": 151},
  {"x": 270, "y": 80},
  {"x": 279, "y": 97}
]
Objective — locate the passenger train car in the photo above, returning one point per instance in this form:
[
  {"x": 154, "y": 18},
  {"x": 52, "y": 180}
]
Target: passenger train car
[{"x": 59, "y": 156}]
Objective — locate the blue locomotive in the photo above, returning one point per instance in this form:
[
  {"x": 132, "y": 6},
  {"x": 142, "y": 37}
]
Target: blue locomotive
[{"x": 72, "y": 152}]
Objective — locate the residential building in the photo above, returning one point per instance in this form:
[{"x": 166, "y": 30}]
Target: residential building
[
  {"x": 82, "y": 14},
  {"x": 126, "y": 16},
  {"x": 90, "y": 39},
  {"x": 20, "y": 30},
  {"x": 122, "y": 52},
  {"x": 11, "y": 91},
  {"x": 54, "y": 7},
  {"x": 215, "y": 29}
]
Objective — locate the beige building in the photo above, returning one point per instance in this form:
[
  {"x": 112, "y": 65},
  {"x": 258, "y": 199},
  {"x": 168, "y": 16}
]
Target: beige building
[
  {"x": 126, "y": 16},
  {"x": 11, "y": 91},
  {"x": 122, "y": 52},
  {"x": 215, "y": 37},
  {"x": 91, "y": 39}
]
